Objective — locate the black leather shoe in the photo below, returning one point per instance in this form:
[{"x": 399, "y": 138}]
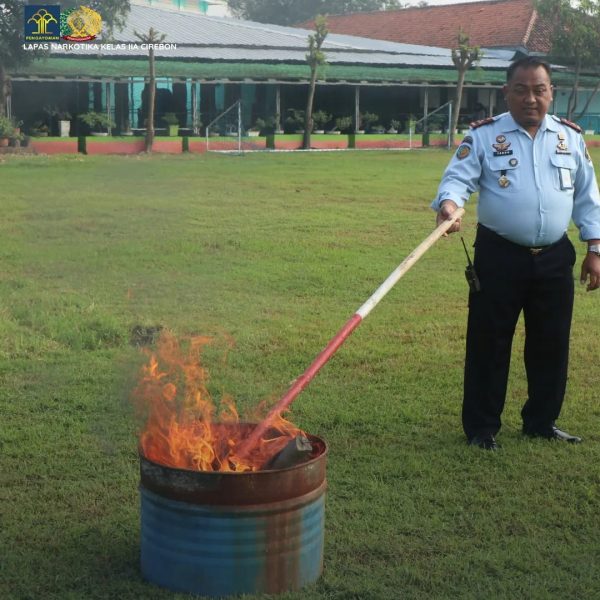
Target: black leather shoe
[
  {"x": 555, "y": 434},
  {"x": 485, "y": 442}
]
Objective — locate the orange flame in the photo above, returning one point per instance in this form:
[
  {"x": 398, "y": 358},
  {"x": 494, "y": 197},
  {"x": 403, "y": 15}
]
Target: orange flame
[{"x": 182, "y": 429}]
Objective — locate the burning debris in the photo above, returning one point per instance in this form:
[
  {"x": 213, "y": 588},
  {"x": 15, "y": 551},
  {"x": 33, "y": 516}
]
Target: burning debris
[{"x": 183, "y": 428}]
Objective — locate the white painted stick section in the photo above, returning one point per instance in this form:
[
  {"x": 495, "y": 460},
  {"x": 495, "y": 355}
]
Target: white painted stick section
[{"x": 408, "y": 262}]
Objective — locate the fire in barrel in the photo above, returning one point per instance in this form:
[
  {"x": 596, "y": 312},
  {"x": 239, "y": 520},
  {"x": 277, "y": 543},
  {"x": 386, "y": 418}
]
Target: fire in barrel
[{"x": 214, "y": 523}]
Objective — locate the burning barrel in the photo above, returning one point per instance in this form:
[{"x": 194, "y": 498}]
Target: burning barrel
[{"x": 228, "y": 533}]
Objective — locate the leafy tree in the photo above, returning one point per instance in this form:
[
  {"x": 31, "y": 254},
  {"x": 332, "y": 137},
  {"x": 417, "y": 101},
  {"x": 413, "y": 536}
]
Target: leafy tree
[
  {"x": 291, "y": 12},
  {"x": 152, "y": 37},
  {"x": 314, "y": 57},
  {"x": 575, "y": 41},
  {"x": 12, "y": 54},
  {"x": 464, "y": 57},
  {"x": 11, "y": 49}
]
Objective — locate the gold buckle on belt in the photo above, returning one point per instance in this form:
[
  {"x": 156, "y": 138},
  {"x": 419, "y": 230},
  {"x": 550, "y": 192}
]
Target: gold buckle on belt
[{"x": 535, "y": 251}]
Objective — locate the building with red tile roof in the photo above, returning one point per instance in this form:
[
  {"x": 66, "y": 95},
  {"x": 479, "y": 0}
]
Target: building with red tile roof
[{"x": 510, "y": 24}]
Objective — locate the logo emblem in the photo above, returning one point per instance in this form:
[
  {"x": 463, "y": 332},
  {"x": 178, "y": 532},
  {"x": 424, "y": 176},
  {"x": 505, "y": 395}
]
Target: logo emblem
[
  {"x": 513, "y": 162},
  {"x": 80, "y": 24},
  {"x": 42, "y": 23},
  {"x": 503, "y": 181},
  {"x": 463, "y": 151},
  {"x": 501, "y": 147}
]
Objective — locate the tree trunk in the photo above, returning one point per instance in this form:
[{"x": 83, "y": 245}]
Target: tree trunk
[
  {"x": 151, "y": 100},
  {"x": 462, "y": 70},
  {"x": 308, "y": 120}
]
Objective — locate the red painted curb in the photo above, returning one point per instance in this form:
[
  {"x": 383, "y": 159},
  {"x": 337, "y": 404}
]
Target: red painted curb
[
  {"x": 133, "y": 147},
  {"x": 68, "y": 146}
]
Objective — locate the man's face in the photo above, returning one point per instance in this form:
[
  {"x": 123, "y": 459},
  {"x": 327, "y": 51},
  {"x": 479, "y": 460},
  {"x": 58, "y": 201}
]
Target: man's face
[{"x": 528, "y": 95}]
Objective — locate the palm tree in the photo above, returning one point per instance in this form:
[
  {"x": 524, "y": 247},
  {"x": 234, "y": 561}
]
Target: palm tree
[{"x": 151, "y": 38}]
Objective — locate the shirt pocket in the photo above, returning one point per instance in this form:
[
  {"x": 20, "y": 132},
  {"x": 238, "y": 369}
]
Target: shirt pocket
[
  {"x": 563, "y": 168},
  {"x": 507, "y": 166}
]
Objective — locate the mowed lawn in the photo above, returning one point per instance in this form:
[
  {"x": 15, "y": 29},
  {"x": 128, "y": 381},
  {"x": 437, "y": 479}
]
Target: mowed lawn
[{"x": 274, "y": 252}]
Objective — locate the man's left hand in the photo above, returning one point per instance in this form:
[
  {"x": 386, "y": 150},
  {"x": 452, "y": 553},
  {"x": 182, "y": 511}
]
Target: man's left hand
[{"x": 590, "y": 268}]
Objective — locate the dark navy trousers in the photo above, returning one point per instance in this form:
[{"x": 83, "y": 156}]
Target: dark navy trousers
[{"x": 513, "y": 279}]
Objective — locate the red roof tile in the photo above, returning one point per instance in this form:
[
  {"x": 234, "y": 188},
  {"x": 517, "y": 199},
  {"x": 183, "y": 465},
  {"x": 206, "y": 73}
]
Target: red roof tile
[{"x": 495, "y": 24}]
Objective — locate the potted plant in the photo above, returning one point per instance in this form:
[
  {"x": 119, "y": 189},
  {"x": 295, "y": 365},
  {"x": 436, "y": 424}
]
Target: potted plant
[
  {"x": 39, "y": 129},
  {"x": 64, "y": 123},
  {"x": 7, "y": 130},
  {"x": 343, "y": 124},
  {"x": 270, "y": 126},
  {"x": 294, "y": 122},
  {"x": 59, "y": 120},
  {"x": 394, "y": 125},
  {"x": 320, "y": 117},
  {"x": 172, "y": 123},
  {"x": 99, "y": 123},
  {"x": 254, "y": 130},
  {"x": 435, "y": 123},
  {"x": 367, "y": 121}
]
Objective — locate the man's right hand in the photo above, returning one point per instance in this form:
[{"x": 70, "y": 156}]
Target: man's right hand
[{"x": 446, "y": 209}]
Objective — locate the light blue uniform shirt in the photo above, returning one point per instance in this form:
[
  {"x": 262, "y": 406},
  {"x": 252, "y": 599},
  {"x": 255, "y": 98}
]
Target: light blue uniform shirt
[{"x": 529, "y": 189}]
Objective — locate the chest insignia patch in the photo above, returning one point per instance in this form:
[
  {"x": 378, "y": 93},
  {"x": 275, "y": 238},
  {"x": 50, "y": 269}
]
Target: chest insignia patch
[
  {"x": 502, "y": 148},
  {"x": 513, "y": 162},
  {"x": 561, "y": 148},
  {"x": 463, "y": 151}
]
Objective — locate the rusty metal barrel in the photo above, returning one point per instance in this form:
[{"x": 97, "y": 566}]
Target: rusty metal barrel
[{"x": 219, "y": 534}]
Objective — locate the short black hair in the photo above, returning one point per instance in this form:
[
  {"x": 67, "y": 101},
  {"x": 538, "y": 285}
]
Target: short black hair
[{"x": 527, "y": 62}]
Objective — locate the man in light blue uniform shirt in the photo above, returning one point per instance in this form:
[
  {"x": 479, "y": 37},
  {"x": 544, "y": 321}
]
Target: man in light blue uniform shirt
[{"x": 534, "y": 175}]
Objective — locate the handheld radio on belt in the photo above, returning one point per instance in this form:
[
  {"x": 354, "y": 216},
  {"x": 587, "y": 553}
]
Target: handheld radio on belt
[{"x": 470, "y": 274}]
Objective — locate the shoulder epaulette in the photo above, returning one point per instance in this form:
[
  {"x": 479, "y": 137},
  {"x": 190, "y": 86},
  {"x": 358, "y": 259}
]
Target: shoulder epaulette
[
  {"x": 481, "y": 122},
  {"x": 571, "y": 125}
]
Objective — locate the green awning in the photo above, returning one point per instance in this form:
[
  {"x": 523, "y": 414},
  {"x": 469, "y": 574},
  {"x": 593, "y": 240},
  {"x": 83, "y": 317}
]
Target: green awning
[
  {"x": 101, "y": 68},
  {"x": 111, "y": 68}
]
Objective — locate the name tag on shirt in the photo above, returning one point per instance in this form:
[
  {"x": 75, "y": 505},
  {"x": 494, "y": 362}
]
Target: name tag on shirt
[{"x": 566, "y": 179}]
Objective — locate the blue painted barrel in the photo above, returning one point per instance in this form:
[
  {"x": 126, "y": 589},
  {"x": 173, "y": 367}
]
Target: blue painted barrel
[{"x": 220, "y": 534}]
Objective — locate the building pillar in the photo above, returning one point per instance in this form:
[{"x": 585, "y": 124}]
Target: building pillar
[
  {"x": 122, "y": 110},
  {"x": 109, "y": 99},
  {"x": 278, "y": 108},
  {"x": 357, "y": 108},
  {"x": 248, "y": 98},
  {"x": 220, "y": 97},
  {"x": 425, "y": 109},
  {"x": 492, "y": 103},
  {"x": 189, "y": 104}
]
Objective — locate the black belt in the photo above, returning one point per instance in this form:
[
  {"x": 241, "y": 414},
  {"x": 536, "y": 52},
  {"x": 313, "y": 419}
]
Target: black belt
[{"x": 485, "y": 233}]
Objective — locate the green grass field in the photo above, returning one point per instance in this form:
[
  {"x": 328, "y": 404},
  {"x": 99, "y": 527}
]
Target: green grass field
[{"x": 275, "y": 252}]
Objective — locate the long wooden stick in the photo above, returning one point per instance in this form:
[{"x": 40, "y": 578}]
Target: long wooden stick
[{"x": 301, "y": 382}]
